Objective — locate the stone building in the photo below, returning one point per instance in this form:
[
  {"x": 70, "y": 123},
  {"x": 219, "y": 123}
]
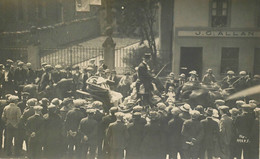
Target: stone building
[{"x": 218, "y": 34}]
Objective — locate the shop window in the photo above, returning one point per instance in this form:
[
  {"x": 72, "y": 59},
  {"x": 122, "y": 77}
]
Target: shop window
[
  {"x": 219, "y": 13},
  {"x": 229, "y": 59}
]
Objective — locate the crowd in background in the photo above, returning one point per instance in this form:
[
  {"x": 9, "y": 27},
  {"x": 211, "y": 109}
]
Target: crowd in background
[{"x": 80, "y": 128}]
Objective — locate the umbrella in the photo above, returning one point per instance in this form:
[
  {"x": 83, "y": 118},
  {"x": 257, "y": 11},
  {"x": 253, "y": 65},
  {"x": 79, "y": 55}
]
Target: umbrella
[{"x": 253, "y": 92}]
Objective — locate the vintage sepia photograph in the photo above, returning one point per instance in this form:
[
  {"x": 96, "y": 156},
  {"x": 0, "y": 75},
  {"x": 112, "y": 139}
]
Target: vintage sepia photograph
[{"x": 129, "y": 79}]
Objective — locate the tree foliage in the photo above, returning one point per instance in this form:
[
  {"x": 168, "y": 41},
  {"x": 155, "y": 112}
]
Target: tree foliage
[{"x": 137, "y": 17}]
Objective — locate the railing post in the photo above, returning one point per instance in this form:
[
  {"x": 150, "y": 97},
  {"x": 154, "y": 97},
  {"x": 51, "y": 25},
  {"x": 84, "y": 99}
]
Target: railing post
[{"x": 34, "y": 56}]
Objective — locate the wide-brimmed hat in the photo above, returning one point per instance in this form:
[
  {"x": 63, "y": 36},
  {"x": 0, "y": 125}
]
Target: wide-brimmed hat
[{"x": 185, "y": 108}]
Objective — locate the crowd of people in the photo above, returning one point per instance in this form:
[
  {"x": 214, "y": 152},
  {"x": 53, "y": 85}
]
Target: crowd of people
[{"x": 73, "y": 127}]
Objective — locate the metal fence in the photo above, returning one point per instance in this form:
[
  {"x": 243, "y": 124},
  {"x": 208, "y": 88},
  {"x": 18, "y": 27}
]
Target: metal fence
[{"x": 125, "y": 58}]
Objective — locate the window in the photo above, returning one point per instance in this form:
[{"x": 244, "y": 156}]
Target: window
[
  {"x": 229, "y": 59},
  {"x": 219, "y": 13}
]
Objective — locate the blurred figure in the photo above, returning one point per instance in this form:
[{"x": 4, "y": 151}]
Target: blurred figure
[
  {"x": 226, "y": 132},
  {"x": 30, "y": 75},
  {"x": 11, "y": 116},
  {"x": 113, "y": 80},
  {"x": 227, "y": 81},
  {"x": 193, "y": 76},
  {"x": 170, "y": 82},
  {"x": 192, "y": 132},
  {"x": 209, "y": 78},
  {"x": 124, "y": 85}
]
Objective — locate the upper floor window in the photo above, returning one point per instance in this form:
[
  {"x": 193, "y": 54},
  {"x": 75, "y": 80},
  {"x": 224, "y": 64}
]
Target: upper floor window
[{"x": 219, "y": 13}]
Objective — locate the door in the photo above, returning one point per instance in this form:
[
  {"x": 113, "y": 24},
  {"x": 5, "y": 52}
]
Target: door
[
  {"x": 191, "y": 59},
  {"x": 257, "y": 62}
]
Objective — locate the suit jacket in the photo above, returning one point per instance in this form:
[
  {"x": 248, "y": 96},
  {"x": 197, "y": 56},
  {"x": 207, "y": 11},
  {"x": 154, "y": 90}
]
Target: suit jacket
[
  {"x": 117, "y": 135},
  {"x": 35, "y": 124},
  {"x": 45, "y": 81},
  {"x": 73, "y": 119},
  {"x": 20, "y": 76},
  {"x": 243, "y": 124},
  {"x": 174, "y": 131},
  {"x": 225, "y": 126},
  {"x": 88, "y": 127},
  {"x": 211, "y": 133},
  {"x": 143, "y": 73}
]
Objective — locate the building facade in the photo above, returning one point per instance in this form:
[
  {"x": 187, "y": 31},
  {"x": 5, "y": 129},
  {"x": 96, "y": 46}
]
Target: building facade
[{"x": 218, "y": 34}]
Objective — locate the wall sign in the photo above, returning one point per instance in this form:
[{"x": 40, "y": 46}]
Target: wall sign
[{"x": 209, "y": 33}]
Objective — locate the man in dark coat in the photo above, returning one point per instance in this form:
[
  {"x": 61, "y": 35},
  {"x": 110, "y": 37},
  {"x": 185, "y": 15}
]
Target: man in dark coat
[
  {"x": 46, "y": 79},
  {"x": 106, "y": 120},
  {"x": 151, "y": 146},
  {"x": 72, "y": 121},
  {"x": 211, "y": 133},
  {"x": 34, "y": 128},
  {"x": 53, "y": 126},
  {"x": 30, "y": 74},
  {"x": 192, "y": 132},
  {"x": 8, "y": 81},
  {"x": 243, "y": 127},
  {"x": 117, "y": 136},
  {"x": 88, "y": 131},
  {"x": 136, "y": 133},
  {"x": 174, "y": 133}
]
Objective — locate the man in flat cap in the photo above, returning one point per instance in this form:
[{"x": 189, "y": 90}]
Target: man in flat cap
[
  {"x": 72, "y": 121},
  {"x": 144, "y": 78},
  {"x": 106, "y": 120},
  {"x": 88, "y": 131},
  {"x": 211, "y": 134},
  {"x": 136, "y": 133},
  {"x": 53, "y": 137},
  {"x": 151, "y": 146},
  {"x": 11, "y": 116},
  {"x": 174, "y": 133},
  {"x": 117, "y": 136},
  {"x": 46, "y": 79},
  {"x": 34, "y": 129},
  {"x": 192, "y": 133},
  {"x": 56, "y": 73},
  {"x": 226, "y": 132},
  {"x": 20, "y": 77},
  {"x": 243, "y": 127},
  {"x": 228, "y": 80}
]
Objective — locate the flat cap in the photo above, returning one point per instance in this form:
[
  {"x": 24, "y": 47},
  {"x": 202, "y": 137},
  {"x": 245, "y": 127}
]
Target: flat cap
[
  {"x": 230, "y": 72},
  {"x": 219, "y": 102},
  {"x": 246, "y": 106},
  {"x": 113, "y": 109},
  {"x": 138, "y": 108},
  {"x": 13, "y": 98},
  {"x": 56, "y": 101},
  {"x": 242, "y": 72},
  {"x": 137, "y": 114},
  {"x": 161, "y": 106},
  {"x": 240, "y": 102},
  {"x": 91, "y": 111},
  {"x": 194, "y": 114},
  {"x": 223, "y": 107},
  {"x": 58, "y": 66},
  {"x": 234, "y": 111},
  {"x": 32, "y": 102},
  {"x": 51, "y": 107},
  {"x": 37, "y": 107},
  {"x": 97, "y": 105}
]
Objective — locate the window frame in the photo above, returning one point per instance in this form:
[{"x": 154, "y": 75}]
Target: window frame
[
  {"x": 222, "y": 71},
  {"x": 228, "y": 14}
]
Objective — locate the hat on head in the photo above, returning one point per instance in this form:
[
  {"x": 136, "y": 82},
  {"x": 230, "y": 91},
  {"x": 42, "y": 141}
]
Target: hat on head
[
  {"x": 246, "y": 106},
  {"x": 253, "y": 101},
  {"x": 194, "y": 114},
  {"x": 89, "y": 69},
  {"x": 56, "y": 101},
  {"x": 48, "y": 67},
  {"x": 79, "y": 102},
  {"x": 153, "y": 115},
  {"x": 9, "y": 61},
  {"x": 240, "y": 103},
  {"x": 25, "y": 94},
  {"x": 223, "y": 107},
  {"x": 161, "y": 106},
  {"x": 58, "y": 66},
  {"x": 171, "y": 74},
  {"x": 209, "y": 70},
  {"x": 234, "y": 111},
  {"x": 219, "y": 102},
  {"x": 20, "y": 63},
  {"x": 242, "y": 73},
  {"x": 91, "y": 111},
  {"x": 13, "y": 98},
  {"x": 138, "y": 108},
  {"x": 31, "y": 102},
  {"x": 119, "y": 115},
  {"x": 66, "y": 101},
  {"x": 51, "y": 107},
  {"x": 230, "y": 72},
  {"x": 37, "y": 107},
  {"x": 193, "y": 72},
  {"x": 257, "y": 76},
  {"x": 182, "y": 75},
  {"x": 185, "y": 108},
  {"x": 43, "y": 64},
  {"x": 199, "y": 108},
  {"x": 113, "y": 109},
  {"x": 28, "y": 64}
]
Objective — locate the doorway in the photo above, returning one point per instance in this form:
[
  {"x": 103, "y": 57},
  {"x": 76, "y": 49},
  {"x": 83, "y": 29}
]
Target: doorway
[{"x": 191, "y": 59}]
